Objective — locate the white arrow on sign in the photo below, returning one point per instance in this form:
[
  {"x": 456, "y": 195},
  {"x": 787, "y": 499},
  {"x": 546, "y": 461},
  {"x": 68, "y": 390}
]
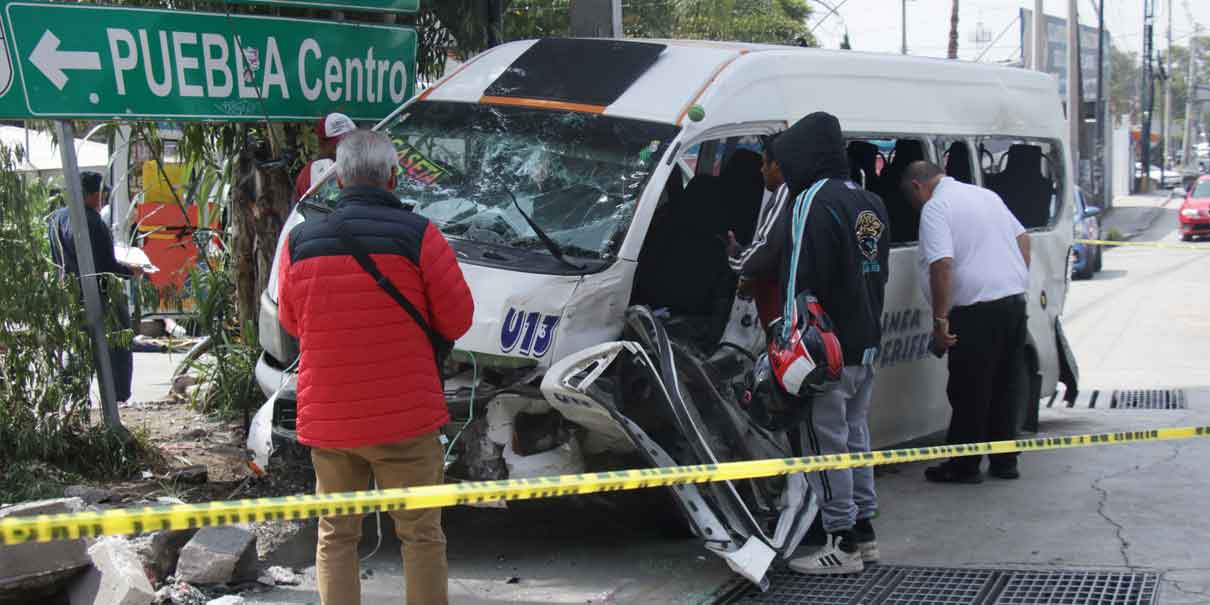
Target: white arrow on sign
[{"x": 51, "y": 61}]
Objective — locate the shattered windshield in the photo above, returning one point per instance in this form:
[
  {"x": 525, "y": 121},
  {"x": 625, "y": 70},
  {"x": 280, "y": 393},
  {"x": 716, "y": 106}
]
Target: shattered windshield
[{"x": 476, "y": 171}]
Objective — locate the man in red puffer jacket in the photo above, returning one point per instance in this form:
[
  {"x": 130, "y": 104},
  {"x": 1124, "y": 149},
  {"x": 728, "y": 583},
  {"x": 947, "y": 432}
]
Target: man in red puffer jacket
[{"x": 370, "y": 400}]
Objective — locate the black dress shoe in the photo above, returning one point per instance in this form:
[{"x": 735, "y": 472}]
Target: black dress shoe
[
  {"x": 948, "y": 473},
  {"x": 1004, "y": 472}
]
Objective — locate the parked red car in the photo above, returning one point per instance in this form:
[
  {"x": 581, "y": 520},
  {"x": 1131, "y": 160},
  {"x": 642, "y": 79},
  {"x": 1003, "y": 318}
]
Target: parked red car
[{"x": 1195, "y": 210}]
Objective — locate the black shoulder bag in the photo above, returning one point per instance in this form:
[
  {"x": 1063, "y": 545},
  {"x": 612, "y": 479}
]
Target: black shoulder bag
[{"x": 441, "y": 345}]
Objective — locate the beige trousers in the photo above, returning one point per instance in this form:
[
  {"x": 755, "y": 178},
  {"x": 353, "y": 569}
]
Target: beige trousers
[{"x": 414, "y": 462}]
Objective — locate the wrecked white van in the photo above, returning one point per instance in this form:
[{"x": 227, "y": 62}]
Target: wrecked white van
[{"x": 583, "y": 185}]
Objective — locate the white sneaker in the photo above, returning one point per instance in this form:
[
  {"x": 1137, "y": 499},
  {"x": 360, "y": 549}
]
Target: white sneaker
[
  {"x": 869, "y": 552},
  {"x": 829, "y": 560}
]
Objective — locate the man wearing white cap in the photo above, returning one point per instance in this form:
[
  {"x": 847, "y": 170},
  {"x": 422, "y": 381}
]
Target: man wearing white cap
[{"x": 330, "y": 129}]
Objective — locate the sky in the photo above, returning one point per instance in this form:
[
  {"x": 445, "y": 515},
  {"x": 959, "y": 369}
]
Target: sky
[{"x": 874, "y": 25}]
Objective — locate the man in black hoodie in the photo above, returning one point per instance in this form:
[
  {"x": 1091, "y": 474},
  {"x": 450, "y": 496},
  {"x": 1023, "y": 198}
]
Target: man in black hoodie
[{"x": 844, "y": 263}]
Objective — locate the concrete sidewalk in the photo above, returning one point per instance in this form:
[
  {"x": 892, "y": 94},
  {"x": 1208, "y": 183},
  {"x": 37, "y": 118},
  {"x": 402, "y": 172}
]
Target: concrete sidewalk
[{"x": 1133, "y": 215}]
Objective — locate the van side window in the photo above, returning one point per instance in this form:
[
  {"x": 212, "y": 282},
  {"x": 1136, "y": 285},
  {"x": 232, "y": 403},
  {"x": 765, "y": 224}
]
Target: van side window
[
  {"x": 878, "y": 165},
  {"x": 1026, "y": 174},
  {"x": 956, "y": 159}
]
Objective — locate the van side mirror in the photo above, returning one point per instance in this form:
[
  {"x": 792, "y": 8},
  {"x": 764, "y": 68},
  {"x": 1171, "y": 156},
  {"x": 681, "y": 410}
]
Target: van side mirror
[{"x": 1091, "y": 211}]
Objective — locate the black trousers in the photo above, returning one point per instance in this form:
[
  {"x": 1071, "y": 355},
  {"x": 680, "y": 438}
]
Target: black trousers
[{"x": 983, "y": 367}]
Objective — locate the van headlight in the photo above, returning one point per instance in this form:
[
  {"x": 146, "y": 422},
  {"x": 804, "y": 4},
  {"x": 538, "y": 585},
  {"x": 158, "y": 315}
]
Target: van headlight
[{"x": 1188, "y": 212}]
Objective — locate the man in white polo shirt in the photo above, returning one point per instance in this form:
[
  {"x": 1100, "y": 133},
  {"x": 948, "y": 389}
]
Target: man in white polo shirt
[{"x": 975, "y": 256}]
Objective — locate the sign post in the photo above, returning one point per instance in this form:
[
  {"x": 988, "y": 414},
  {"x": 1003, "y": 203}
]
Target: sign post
[
  {"x": 94, "y": 313},
  {"x": 82, "y": 61}
]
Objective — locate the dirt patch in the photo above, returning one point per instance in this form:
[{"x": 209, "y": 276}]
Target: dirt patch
[{"x": 187, "y": 438}]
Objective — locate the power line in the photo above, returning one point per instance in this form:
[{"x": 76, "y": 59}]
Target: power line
[{"x": 997, "y": 39}]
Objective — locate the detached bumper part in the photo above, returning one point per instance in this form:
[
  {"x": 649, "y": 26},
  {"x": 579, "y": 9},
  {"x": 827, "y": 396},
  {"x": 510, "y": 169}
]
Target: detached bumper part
[{"x": 655, "y": 386}]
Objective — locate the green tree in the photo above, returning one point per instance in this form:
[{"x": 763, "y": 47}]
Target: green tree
[
  {"x": 762, "y": 21},
  {"x": 1125, "y": 72}
]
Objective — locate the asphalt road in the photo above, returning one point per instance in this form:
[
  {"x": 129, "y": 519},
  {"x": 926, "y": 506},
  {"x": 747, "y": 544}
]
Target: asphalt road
[{"x": 1142, "y": 323}]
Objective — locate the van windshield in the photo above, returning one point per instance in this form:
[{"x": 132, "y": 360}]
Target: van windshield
[{"x": 472, "y": 169}]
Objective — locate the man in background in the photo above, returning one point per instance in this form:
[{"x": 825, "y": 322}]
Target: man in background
[
  {"x": 330, "y": 129},
  {"x": 63, "y": 251},
  {"x": 975, "y": 257}
]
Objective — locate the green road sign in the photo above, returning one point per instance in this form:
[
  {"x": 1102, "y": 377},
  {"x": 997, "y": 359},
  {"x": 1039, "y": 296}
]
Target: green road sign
[
  {"x": 87, "y": 61},
  {"x": 395, "y": 6}
]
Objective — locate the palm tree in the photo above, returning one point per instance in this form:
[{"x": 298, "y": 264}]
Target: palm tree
[{"x": 953, "y": 49}]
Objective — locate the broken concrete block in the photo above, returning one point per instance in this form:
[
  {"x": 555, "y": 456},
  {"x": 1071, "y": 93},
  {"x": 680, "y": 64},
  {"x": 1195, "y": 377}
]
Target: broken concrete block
[
  {"x": 116, "y": 577},
  {"x": 218, "y": 555},
  {"x": 33, "y": 567},
  {"x": 228, "y": 600},
  {"x": 180, "y": 593},
  {"x": 88, "y": 493},
  {"x": 160, "y": 550}
]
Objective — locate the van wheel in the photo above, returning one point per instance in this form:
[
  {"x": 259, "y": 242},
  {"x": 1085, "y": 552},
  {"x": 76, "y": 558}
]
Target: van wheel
[{"x": 1100, "y": 257}]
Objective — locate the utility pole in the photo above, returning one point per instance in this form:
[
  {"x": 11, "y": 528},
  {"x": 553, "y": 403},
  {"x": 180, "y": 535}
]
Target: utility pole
[
  {"x": 1102, "y": 110},
  {"x": 1148, "y": 93},
  {"x": 1167, "y": 128},
  {"x": 1039, "y": 36},
  {"x": 1075, "y": 109},
  {"x": 903, "y": 27},
  {"x": 1191, "y": 79}
]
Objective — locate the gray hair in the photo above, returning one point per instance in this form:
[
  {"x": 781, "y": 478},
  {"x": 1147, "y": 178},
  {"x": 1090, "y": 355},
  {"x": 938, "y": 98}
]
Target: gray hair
[{"x": 367, "y": 158}]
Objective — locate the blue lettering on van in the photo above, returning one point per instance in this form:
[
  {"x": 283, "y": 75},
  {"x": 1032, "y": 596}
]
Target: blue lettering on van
[
  {"x": 530, "y": 333},
  {"x": 906, "y": 337}
]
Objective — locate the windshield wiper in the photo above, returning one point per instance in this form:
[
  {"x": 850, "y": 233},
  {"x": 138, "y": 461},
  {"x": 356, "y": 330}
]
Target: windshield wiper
[{"x": 551, "y": 245}]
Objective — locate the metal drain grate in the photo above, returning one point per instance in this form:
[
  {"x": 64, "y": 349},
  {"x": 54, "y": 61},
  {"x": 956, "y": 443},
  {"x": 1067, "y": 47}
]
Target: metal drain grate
[
  {"x": 1078, "y": 588},
  {"x": 898, "y": 585},
  {"x": 1171, "y": 399}
]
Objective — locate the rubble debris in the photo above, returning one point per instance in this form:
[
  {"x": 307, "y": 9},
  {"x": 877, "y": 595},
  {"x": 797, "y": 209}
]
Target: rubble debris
[
  {"x": 115, "y": 578},
  {"x": 287, "y": 543},
  {"x": 277, "y": 575},
  {"x": 181, "y": 383},
  {"x": 34, "y": 567},
  {"x": 160, "y": 550},
  {"x": 180, "y": 593},
  {"x": 513, "y": 580},
  {"x": 196, "y": 474},
  {"x": 218, "y": 555},
  {"x": 89, "y": 494}
]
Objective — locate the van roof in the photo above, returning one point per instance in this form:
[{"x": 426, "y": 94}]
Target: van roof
[{"x": 740, "y": 82}]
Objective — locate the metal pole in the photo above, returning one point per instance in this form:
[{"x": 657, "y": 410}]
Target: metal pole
[
  {"x": 1191, "y": 80},
  {"x": 1102, "y": 109},
  {"x": 1075, "y": 109},
  {"x": 903, "y": 29},
  {"x": 1167, "y": 124},
  {"x": 88, "y": 277},
  {"x": 1148, "y": 93},
  {"x": 1039, "y": 36}
]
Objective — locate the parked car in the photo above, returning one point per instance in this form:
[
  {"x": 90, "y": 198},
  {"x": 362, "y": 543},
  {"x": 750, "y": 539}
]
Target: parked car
[
  {"x": 1195, "y": 210},
  {"x": 1167, "y": 179},
  {"x": 1086, "y": 258}
]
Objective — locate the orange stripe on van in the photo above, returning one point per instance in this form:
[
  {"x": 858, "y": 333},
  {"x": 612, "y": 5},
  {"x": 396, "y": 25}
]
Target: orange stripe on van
[
  {"x": 542, "y": 104},
  {"x": 430, "y": 90},
  {"x": 681, "y": 118}
]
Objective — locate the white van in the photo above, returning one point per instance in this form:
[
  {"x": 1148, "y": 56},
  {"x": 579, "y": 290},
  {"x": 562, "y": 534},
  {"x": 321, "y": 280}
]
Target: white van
[{"x": 583, "y": 185}]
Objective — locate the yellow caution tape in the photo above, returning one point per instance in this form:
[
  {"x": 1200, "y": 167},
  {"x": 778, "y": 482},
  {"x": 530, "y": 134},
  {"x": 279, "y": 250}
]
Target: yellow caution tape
[
  {"x": 1101, "y": 242},
  {"x": 47, "y": 528}
]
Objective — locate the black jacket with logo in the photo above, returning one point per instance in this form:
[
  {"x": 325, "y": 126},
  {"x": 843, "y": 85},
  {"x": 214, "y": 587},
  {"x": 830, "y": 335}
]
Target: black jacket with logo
[{"x": 846, "y": 246}]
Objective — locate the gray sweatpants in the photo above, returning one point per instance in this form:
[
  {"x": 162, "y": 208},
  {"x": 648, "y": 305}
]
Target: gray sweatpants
[{"x": 837, "y": 423}]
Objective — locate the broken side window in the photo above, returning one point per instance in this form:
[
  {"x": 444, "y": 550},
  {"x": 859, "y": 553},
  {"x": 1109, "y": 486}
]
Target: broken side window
[{"x": 1027, "y": 174}]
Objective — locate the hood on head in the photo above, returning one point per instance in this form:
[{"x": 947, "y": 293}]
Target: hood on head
[{"x": 812, "y": 149}]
